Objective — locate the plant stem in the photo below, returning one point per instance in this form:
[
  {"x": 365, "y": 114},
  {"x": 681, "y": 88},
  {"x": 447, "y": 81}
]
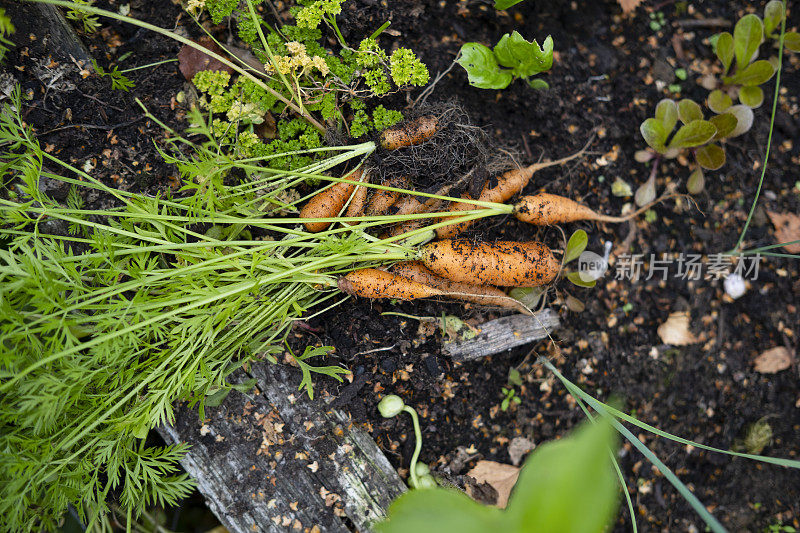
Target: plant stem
[{"x": 417, "y": 446}]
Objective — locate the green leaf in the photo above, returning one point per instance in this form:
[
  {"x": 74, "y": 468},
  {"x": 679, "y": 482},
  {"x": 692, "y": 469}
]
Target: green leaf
[
  {"x": 689, "y": 111},
  {"x": 718, "y": 101},
  {"x": 667, "y": 113},
  {"x": 654, "y": 133},
  {"x": 501, "y": 5},
  {"x": 711, "y": 156},
  {"x": 744, "y": 119},
  {"x": 747, "y": 37},
  {"x": 216, "y": 399},
  {"x": 482, "y": 68},
  {"x": 696, "y": 182},
  {"x": 576, "y": 279},
  {"x": 693, "y": 134},
  {"x": 723, "y": 47},
  {"x": 560, "y": 474},
  {"x": 755, "y": 74},
  {"x": 791, "y": 41},
  {"x": 522, "y": 57},
  {"x": 752, "y": 97},
  {"x": 439, "y": 511},
  {"x": 773, "y": 15},
  {"x": 575, "y": 246},
  {"x": 725, "y": 124},
  {"x": 538, "y": 84}
]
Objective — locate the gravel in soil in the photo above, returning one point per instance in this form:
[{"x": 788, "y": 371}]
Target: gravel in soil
[{"x": 609, "y": 73}]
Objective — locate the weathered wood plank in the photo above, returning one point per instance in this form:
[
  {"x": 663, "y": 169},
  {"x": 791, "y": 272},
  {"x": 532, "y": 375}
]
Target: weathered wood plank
[
  {"x": 503, "y": 334},
  {"x": 50, "y": 26},
  {"x": 278, "y": 461}
]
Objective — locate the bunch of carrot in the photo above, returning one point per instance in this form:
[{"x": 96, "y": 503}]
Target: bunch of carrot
[{"x": 452, "y": 267}]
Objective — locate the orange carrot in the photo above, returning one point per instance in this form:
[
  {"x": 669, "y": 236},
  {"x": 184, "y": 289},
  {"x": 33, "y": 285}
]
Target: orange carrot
[
  {"x": 356, "y": 206},
  {"x": 417, "y": 271},
  {"x": 382, "y": 199},
  {"x": 502, "y": 263},
  {"x": 374, "y": 283},
  {"x": 328, "y": 203},
  {"x": 545, "y": 209},
  {"x": 410, "y": 134},
  {"x": 499, "y": 191}
]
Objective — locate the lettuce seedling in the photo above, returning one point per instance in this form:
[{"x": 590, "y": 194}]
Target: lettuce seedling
[
  {"x": 557, "y": 477},
  {"x": 513, "y": 57}
]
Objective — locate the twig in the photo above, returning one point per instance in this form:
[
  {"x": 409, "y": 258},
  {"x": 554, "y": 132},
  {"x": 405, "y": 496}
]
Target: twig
[
  {"x": 703, "y": 23},
  {"x": 429, "y": 89}
]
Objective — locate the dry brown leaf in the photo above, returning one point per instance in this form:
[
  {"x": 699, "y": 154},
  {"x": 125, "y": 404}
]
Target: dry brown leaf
[
  {"x": 787, "y": 229},
  {"x": 629, "y": 5},
  {"x": 675, "y": 330},
  {"x": 774, "y": 360},
  {"x": 500, "y": 476}
]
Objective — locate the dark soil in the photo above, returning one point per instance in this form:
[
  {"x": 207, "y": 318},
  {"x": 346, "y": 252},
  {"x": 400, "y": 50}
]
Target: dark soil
[{"x": 606, "y": 78}]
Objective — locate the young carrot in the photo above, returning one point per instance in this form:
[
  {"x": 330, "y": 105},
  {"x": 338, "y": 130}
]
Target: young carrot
[
  {"x": 502, "y": 263},
  {"x": 500, "y": 191},
  {"x": 546, "y": 209},
  {"x": 328, "y": 203},
  {"x": 356, "y": 206},
  {"x": 374, "y": 283},
  {"x": 382, "y": 200},
  {"x": 413, "y": 133},
  {"x": 484, "y": 295}
]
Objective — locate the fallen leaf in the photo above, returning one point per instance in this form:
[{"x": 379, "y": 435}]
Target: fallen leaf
[
  {"x": 518, "y": 447},
  {"x": 675, "y": 330},
  {"x": 500, "y": 476},
  {"x": 628, "y": 5},
  {"x": 774, "y": 360},
  {"x": 191, "y": 60},
  {"x": 787, "y": 229}
]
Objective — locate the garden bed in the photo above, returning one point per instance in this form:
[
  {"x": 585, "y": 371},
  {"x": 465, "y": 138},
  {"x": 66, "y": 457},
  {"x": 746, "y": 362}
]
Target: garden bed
[{"x": 609, "y": 72}]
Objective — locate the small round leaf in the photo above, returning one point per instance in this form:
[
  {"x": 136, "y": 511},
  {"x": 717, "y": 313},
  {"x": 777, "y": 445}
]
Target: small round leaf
[
  {"x": 667, "y": 113},
  {"x": 747, "y": 35},
  {"x": 725, "y": 124},
  {"x": 744, "y": 119},
  {"x": 718, "y": 101},
  {"x": 689, "y": 111},
  {"x": 791, "y": 41},
  {"x": 711, "y": 156},
  {"x": 773, "y": 14},
  {"x": 654, "y": 133},
  {"x": 697, "y": 182},
  {"x": 752, "y": 97},
  {"x": 723, "y": 47},
  {"x": 694, "y": 133}
]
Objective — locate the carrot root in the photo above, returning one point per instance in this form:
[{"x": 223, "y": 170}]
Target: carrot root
[
  {"x": 410, "y": 134},
  {"x": 374, "y": 283}
]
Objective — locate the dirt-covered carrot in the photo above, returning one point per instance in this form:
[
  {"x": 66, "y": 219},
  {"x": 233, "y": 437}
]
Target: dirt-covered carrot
[
  {"x": 500, "y": 190},
  {"x": 501, "y": 263},
  {"x": 484, "y": 295},
  {"x": 415, "y": 132},
  {"x": 545, "y": 209},
  {"x": 382, "y": 200},
  {"x": 328, "y": 203},
  {"x": 357, "y": 202},
  {"x": 374, "y": 283}
]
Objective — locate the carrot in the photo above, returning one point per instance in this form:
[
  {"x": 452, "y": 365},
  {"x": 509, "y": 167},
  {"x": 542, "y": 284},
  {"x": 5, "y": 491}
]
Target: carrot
[
  {"x": 374, "y": 283},
  {"x": 382, "y": 199},
  {"x": 328, "y": 203},
  {"x": 410, "y": 134},
  {"x": 545, "y": 209},
  {"x": 417, "y": 271},
  {"x": 503, "y": 263},
  {"x": 500, "y": 191},
  {"x": 357, "y": 202}
]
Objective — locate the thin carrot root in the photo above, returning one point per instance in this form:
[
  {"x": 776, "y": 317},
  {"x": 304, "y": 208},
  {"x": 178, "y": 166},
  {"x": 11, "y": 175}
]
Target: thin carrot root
[
  {"x": 374, "y": 283},
  {"x": 502, "y": 263},
  {"x": 357, "y": 201},
  {"x": 492, "y": 296},
  {"x": 545, "y": 209},
  {"x": 413, "y": 133},
  {"x": 501, "y": 190},
  {"x": 328, "y": 203}
]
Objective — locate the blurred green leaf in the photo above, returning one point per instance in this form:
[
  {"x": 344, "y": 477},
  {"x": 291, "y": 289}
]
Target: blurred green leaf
[
  {"x": 216, "y": 399},
  {"x": 575, "y": 246},
  {"x": 689, "y": 111},
  {"x": 723, "y": 47},
  {"x": 538, "y": 84},
  {"x": 439, "y": 511},
  {"x": 718, "y": 101},
  {"x": 696, "y": 182},
  {"x": 522, "y": 57},
  {"x": 725, "y": 124},
  {"x": 773, "y": 14},
  {"x": 752, "y": 97},
  {"x": 754, "y": 74},
  {"x": 744, "y": 119},
  {"x": 693, "y": 134},
  {"x": 482, "y": 68},
  {"x": 667, "y": 113},
  {"x": 527, "y": 296},
  {"x": 575, "y": 279},
  {"x": 654, "y": 133},
  {"x": 500, "y": 5},
  {"x": 791, "y": 41},
  {"x": 747, "y": 36},
  {"x": 711, "y": 156}
]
